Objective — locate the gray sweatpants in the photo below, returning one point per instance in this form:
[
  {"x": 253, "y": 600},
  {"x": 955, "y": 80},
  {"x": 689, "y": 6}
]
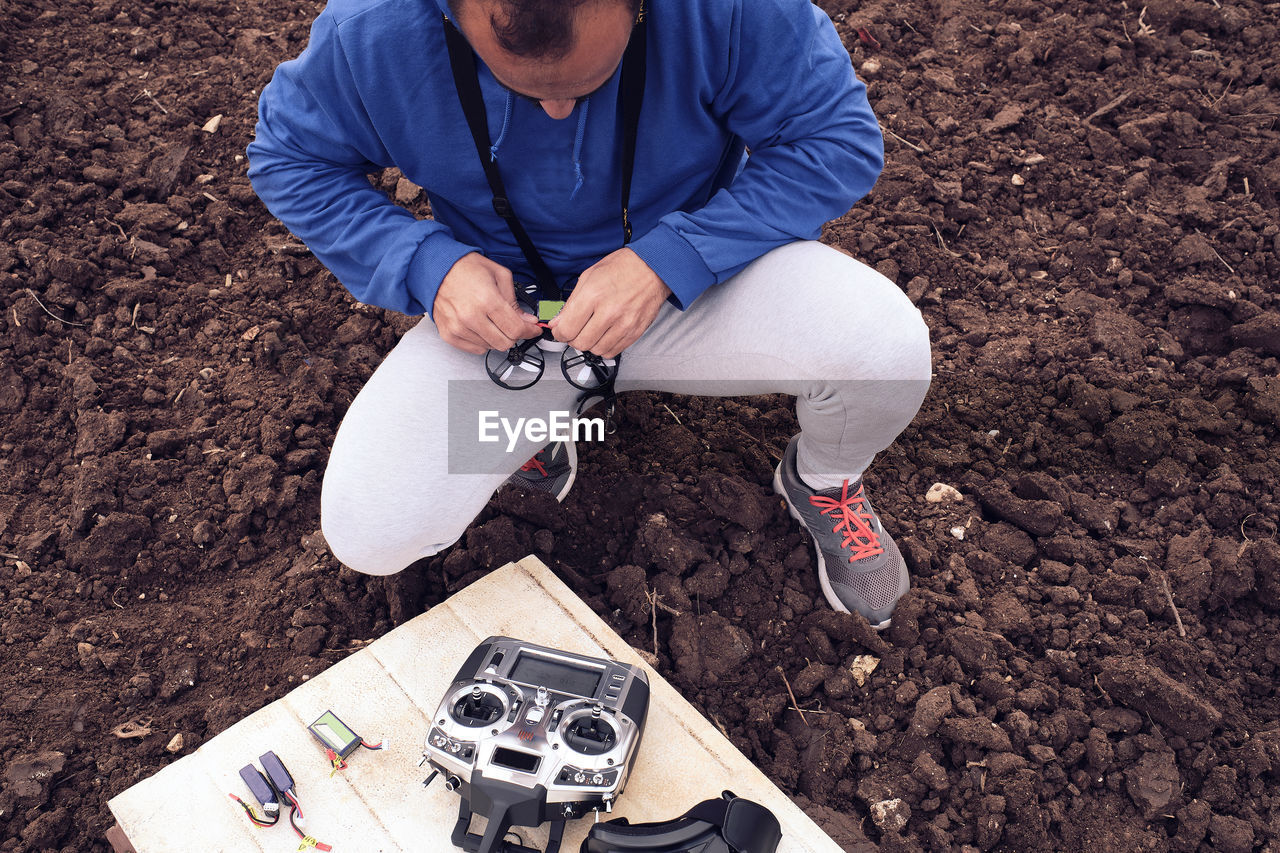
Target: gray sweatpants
[{"x": 408, "y": 472}]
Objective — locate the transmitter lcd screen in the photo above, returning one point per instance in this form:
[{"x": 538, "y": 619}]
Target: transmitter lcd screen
[
  {"x": 523, "y": 761},
  {"x": 555, "y": 675}
]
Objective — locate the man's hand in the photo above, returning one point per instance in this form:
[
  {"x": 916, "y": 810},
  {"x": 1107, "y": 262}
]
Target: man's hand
[
  {"x": 476, "y": 309},
  {"x": 613, "y": 303}
]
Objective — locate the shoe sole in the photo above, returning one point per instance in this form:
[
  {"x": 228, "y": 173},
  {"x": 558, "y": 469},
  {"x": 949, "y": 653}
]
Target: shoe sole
[
  {"x": 832, "y": 598},
  {"x": 572, "y": 453}
]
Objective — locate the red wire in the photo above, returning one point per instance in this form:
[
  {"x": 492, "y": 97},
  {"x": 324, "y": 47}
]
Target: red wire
[
  {"x": 297, "y": 805},
  {"x": 249, "y": 813}
]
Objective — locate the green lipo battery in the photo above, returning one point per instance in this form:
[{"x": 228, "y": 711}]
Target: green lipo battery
[
  {"x": 335, "y": 734},
  {"x": 549, "y": 308}
]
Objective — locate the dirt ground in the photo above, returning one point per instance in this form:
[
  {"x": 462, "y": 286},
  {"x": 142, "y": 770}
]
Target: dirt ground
[{"x": 1081, "y": 197}]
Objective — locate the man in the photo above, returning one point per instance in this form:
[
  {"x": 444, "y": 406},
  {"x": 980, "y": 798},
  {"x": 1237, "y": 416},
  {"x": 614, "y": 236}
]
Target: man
[{"x": 721, "y": 290}]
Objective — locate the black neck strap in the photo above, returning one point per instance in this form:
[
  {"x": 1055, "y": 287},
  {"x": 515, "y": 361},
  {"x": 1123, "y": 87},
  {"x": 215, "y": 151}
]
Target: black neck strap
[{"x": 630, "y": 97}]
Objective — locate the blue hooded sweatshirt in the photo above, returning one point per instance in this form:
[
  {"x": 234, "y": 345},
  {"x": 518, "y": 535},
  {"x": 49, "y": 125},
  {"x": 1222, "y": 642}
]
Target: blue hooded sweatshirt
[{"x": 374, "y": 89}]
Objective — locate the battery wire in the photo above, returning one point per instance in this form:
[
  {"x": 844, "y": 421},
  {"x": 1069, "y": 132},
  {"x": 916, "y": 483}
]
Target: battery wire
[
  {"x": 295, "y": 814},
  {"x": 334, "y": 761},
  {"x": 252, "y": 815}
]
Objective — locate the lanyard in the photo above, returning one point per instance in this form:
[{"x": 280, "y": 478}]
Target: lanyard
[{"x": 462, "y": 60}]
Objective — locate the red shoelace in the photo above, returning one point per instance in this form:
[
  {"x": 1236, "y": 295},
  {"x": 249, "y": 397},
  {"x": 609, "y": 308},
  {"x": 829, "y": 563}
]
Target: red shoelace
[
  {"x": 534, "y": 465},
  {"x": 853, "y": 520}
]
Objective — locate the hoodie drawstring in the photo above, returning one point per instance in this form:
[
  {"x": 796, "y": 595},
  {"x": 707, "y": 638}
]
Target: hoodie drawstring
[
  {"x": 506, "y": 122},
  {"x": 577, "y": 149},
  {"x": 577, "y": 141}
]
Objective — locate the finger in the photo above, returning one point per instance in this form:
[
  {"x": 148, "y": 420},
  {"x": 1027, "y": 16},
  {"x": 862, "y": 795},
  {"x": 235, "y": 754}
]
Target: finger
[
  {"x": 505, "y": 283},
  {"x": 463, "y": 330},
  {"x": 492, "y": 335},
  {"x": 591, "y": 335},
  {"x": 515, "y": 324},
  {"x": 466, "y": 343},
  {"x": 568, "y": 324},
  {"x": 614, "y": 342}
]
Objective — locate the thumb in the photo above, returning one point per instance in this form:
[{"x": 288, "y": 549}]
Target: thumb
[
  {"x": 504, "y": 286},
  {"x": 507, "y": 289}
]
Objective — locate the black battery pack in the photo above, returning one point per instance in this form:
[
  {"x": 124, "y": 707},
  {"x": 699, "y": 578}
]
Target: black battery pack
[
  {"x": 261, "y": 788},
  {"x": 276, "y": 772}
]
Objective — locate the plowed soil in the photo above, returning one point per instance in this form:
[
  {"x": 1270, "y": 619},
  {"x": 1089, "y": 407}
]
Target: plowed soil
[{"x": 1082, "y": 198}]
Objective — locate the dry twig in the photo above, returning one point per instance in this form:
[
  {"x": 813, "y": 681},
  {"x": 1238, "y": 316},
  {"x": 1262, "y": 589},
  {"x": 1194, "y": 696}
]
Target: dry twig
[
  {"x": 653, "y": 615},
  {"x": 1108, "y": 108},
  {"x": 1216, "y": 255},
  {"x": 147, "y": 92},
  {"x": 943, "y": 243},
  {"x": 1182, "y": 632},
  {"x": 794, "y": 703},
  {"x": 1145, "y": 29},
  {"x": 32, "y": 294},
  {"x": 915, "y": 148}
]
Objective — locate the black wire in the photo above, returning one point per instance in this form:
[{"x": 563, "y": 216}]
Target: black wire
[{"x": 292, "y": 811}]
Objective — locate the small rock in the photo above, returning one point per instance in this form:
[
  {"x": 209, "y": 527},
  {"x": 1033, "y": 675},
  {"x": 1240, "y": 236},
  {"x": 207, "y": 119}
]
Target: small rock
[
  {"x": 861, "y": 668},
  {"x": 176, "y": 743},
  {"x": 940, "y": 492},
  {"x": 212, "y": 125},
  {"x": 88, "y": 655},
  {"x": 891, "y": 815}
]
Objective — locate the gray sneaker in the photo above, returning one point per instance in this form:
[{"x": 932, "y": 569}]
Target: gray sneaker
[
  {"x": 859, "y": 566},
  {"x": 552, "y": 470}
]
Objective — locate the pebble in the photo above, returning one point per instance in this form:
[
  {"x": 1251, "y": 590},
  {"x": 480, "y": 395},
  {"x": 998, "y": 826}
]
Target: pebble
[
  {"x": 940, "y": 492},
  {"x": 176, "y": 743},
  {"x": 862, "y": 666},
  {"x": 891, "y": 815}
]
